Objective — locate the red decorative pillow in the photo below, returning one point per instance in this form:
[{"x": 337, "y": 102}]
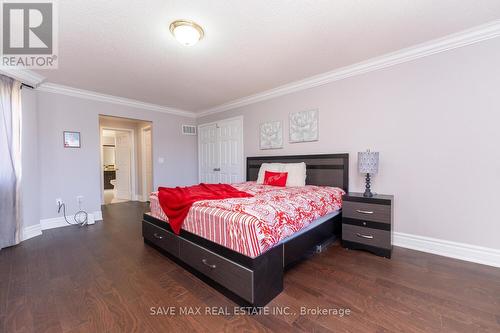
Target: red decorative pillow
[{"x": 275, "y": 178}]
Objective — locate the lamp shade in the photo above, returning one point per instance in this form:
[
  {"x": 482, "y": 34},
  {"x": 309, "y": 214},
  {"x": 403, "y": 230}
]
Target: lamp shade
[{"x": 368, "y": 162}]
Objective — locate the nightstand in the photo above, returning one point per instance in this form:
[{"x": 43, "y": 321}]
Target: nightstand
[{"x": 367, "y": 223}]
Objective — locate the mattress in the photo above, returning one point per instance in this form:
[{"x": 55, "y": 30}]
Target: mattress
[{"x": 253, "y": 225}]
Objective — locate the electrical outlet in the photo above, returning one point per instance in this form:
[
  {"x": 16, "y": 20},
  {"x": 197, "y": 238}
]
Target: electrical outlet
[{"x": 59, "y": 201}]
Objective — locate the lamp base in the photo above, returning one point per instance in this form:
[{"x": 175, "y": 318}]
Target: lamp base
[{"x": 368, "y": 193}]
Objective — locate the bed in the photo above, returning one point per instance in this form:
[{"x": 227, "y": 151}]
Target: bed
[{"x": 215, "y": 243}]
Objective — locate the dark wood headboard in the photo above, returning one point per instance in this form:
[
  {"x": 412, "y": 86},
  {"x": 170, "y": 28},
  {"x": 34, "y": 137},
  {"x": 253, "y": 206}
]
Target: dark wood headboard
[{"x": 323, "y": 169}]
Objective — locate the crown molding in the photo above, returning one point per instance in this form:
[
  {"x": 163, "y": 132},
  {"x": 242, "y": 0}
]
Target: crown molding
[
  {"x": 37, "y": 81},
  {"x": 23, "y": 75},
  {"x": 92, "y": 95},
  {"x": 449, "y": 42}
]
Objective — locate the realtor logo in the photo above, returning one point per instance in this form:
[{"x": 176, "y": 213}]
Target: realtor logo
[{"x": 29, "y": 34}]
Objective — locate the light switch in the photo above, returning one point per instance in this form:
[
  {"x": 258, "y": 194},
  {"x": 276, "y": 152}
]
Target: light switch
[{"x": 161, "y": 160}]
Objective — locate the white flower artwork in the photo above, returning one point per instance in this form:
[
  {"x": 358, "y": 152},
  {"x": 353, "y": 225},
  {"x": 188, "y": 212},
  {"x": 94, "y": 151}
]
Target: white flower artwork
[
  {"x": 271, "y": 135},
  {"x": 304, "y": 126}
]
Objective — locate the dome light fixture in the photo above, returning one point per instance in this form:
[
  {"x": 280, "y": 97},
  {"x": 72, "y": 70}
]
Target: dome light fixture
[{"x": 186, "y": 32}]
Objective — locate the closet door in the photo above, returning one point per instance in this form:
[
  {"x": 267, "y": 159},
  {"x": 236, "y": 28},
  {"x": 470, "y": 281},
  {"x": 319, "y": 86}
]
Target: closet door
[
  {"x": 231, "y": 150},
  {"x": 208, "y": 154},
  {"x": 220, "y": 151}
]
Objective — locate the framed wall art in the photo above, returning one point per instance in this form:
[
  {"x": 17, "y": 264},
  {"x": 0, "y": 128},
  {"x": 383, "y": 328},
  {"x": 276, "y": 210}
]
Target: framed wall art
[
  {"x": 271, "y": 135},
  {"x": 304, "y": 126}
]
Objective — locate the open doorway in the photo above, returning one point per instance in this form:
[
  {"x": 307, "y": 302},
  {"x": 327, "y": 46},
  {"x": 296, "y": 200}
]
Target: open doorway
[{"x": 126, "y": 159}]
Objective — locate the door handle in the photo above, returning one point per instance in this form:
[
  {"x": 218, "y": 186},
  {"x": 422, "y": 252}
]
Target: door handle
[
  {"x": 216, "y": 169},
  {"x": 364, "y": 211},
  {"x": 204, "y": 261},
  {"x": 157, "y": 236},
  {"x": 364, "y": 236}
]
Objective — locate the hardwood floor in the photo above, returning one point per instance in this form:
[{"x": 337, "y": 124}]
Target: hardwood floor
[{"x": 103, "y": 278}]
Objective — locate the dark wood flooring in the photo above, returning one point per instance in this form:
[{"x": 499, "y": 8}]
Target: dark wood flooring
[{"x": 103, "y": 278}]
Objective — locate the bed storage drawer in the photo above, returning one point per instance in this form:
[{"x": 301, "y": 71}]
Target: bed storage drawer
[
  {"x": 366, "y": 211},
  {"x": 368, "y": 236},
  {"x": 229, "y": 274},
  {"x": 161, "y": 238}
]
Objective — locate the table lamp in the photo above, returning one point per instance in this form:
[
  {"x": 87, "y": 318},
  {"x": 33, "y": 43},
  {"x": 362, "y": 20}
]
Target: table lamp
[{"x": 368, "y": 163}]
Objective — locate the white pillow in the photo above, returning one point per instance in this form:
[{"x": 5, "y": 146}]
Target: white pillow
[
  {"x": 296, "y": 172},
  {"x": 273, "y": 167}
]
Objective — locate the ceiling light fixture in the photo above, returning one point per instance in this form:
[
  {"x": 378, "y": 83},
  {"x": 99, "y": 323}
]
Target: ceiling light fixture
[{"x": 186, "y": 32}]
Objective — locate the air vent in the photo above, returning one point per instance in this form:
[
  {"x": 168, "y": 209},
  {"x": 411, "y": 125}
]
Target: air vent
[{"x": 188, "y": 130}]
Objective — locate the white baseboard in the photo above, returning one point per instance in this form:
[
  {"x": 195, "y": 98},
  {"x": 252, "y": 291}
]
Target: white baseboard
[
  {"x": 462, "y": 251},
  {"x": 97, "y": 215},
  {"x": 467, "y": 252},
  {"x": 56, "y": 222},
  {"x": 139, "y": 197},
  {"x": 31, "y": 231},
  {"x": 52, "y": 223}
]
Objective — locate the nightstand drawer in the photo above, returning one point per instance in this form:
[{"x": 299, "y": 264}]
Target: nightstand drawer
[
  {"x": 367, "y": 224},
  {"x": 366, "y": 211},
  {"x": 368, "y": 236}
]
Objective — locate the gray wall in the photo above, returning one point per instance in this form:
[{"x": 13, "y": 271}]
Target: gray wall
[
  {"x": 434, "y": 122},
  {"x": 67, "y": 173},
  {"x": 29, "y": 164}
]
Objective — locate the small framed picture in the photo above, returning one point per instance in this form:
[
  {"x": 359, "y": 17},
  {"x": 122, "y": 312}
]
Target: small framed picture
[{"x": 72, "y": 139}]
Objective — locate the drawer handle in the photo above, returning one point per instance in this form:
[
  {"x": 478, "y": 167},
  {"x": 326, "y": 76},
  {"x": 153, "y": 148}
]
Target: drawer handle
[
  {"x": 364, "y": 211},
  {"x": 364, "y": 236},
  {"x": 204, "y": 261},
  {"x": 155, "y": 235}
]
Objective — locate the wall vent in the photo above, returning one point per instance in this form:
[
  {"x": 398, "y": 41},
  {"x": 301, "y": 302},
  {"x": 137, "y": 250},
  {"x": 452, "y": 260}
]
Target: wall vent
[{"x": 188, "y": 130}]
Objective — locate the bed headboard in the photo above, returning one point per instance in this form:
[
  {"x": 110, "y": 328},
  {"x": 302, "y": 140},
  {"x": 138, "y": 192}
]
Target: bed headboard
[{"x": 323, "y": 169}]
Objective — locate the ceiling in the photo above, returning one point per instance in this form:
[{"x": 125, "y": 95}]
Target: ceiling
[{"x": 124, "y": 48}]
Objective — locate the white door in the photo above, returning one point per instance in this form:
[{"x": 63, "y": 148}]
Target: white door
[
  {"x": 220, "y": 152},
  {"x": 148, "y": 162},
  {"x": 231, "y": 150},
  {"x": 208, "y": 154},
  {"x": 123, "y": 161}
]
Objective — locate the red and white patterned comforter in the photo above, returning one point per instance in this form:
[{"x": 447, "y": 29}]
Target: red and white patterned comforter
[{"x": 253, "y": 225}]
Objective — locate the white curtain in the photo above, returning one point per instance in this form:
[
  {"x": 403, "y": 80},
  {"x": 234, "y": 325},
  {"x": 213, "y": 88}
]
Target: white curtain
[{"x": 10, "y": 161}]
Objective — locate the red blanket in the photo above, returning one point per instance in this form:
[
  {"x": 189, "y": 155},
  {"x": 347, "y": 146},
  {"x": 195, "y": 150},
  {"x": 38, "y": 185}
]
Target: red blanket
[{"x": 177, "y": 201}]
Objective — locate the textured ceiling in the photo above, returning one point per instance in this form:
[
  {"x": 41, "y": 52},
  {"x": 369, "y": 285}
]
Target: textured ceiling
[{"x": 124, "y": 48}]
